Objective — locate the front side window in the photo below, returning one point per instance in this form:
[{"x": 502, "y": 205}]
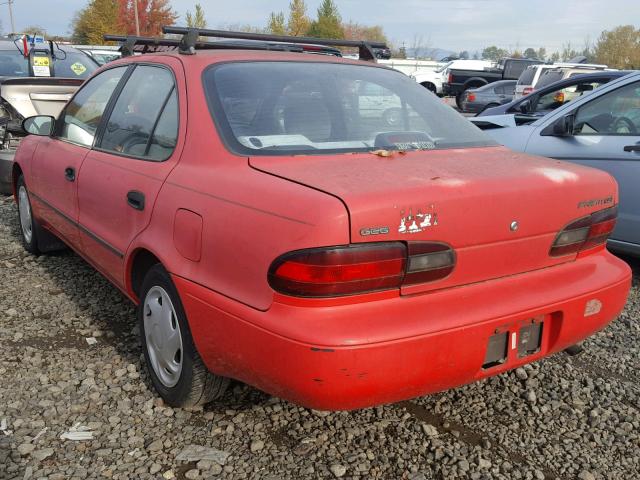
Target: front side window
[
  {"x": 80, "y": 119},
  {"x": 138, "y": 113},
  {"x": 614, "y": 113},
  {"x": 557, "y": 98},
  {"x": 270, "y": 108}
]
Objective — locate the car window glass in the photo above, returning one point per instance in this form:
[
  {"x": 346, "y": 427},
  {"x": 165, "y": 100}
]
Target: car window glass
[
  {"x": 134, "y": 115},
  {"x": 526, "y": 78},
  {"x": 165, "y": 135},
  {"x": 81, "y": 117},
  {"x": 557, "y": 98},
  {"x": 267, "y": 107},
  {"x": 615, "y": 113},
  {"x": 549, "y": 77},
  {"x": 73, "y": 65},
  {"x": 13, "y": 64}
]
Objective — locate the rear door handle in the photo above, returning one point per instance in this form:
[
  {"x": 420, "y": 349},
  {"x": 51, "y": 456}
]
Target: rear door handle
[
  {"x": 632, "y": 148},
  {"x": 70, "y": 174},
  {"x": 135, "y": 199}
]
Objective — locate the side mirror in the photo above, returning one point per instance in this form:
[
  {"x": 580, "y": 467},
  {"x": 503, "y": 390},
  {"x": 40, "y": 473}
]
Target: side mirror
[
  {"x": 39, "y": 125},
  {"x": 563, "y": 127}
]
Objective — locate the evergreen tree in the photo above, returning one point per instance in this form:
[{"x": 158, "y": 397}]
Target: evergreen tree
[
  {"x": 196, "y": 20},
  {"x": 329, "y": 23},
  {"x": 276, "y": 24},
  {"x": 298, "y": 23}
]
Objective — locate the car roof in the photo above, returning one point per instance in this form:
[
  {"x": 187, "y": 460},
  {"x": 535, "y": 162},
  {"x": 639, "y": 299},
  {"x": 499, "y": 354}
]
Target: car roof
[{"x": 204, "y": 58}]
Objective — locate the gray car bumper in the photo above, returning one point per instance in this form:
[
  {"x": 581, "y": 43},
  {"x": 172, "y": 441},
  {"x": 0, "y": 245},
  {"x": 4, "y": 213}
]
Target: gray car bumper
[{"x": 6, "y": 167}]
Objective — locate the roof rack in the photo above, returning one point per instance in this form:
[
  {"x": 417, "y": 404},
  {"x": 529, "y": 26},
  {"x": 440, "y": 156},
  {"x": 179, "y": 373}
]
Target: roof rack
[{"x": 191, "y": 42}]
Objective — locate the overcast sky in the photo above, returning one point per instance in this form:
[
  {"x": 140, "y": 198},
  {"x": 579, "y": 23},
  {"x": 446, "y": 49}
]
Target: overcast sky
[{"x": 449, "y": 24}]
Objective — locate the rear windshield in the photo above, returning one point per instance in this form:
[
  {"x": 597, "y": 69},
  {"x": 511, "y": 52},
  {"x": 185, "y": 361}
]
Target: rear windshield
[
  {"x": 66, "y": 64},
  {"x": 549, "y": 77},
  {"x": 526, "y": 78},
  {"x": 267, "y": 108}
]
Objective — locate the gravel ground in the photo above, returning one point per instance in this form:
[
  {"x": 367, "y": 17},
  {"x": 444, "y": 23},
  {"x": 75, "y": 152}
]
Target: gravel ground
[{"x": 564, "y": 417}]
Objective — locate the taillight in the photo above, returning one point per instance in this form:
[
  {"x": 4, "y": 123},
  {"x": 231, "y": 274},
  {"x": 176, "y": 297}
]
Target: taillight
[
  {"x": 471, "y": 97},
  {"x": 356, "y": 269},
  {"x": 585, "y": 233},
  {"x": 450, "y": 78},
  {"x": 527, "y": 90},
  {"x": 559, "y": 97}
]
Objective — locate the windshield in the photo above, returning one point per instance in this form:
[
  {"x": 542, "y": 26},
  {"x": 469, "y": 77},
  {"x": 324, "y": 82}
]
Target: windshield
[
  {"x": 444, "y": 67},
  {"x": 266, "y": 108},
  {"x": 67, "y": 64}
]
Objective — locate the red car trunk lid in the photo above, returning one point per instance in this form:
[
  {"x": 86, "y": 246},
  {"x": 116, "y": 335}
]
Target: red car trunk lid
[{"x": 498, "y": 209}]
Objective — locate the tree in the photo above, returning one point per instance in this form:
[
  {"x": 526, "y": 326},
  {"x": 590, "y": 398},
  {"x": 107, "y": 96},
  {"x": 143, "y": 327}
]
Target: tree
[
  {"x": 355, "y": 31},
  {"x": 494, "y": 53},
  {"x": 464, "y": 55},
  {"x": 619, "y": 48},
  {"x": 196, "y": 20},
  {"x": 152, "y": 16},
  {"x": 329, "y": 23},
  {"x": 568, "y": 52},
  {"x": 555, "y": 57},
  {"x": 276, "y": 24},
  {"x": 530, "y": 53},
  {"x": 96, "y": 19},
  {"x": 298, "y": 23},
  {"x": 541, "y": 54},
  {"x": 34, "y": 30}
]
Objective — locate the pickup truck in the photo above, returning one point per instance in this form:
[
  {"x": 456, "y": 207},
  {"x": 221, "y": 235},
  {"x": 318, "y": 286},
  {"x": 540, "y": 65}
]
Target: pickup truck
[{"x": 460, "y": 81}]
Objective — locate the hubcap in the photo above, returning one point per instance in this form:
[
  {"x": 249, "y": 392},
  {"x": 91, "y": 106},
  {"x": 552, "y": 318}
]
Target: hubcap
[
  {"x": 25, "y": 214},
  {"x": 163, "y": 337}
]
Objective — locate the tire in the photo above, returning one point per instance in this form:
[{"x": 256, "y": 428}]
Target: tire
[
  {"x": 35, "y": 239},
  {"x": 28, "y": 224},
  {"x": 429, "y": 86},
  {"x": 176, "y": 369},
  {"x": 459, "y": 100}
]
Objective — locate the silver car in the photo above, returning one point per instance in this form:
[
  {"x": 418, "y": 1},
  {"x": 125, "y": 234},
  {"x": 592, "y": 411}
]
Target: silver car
[{"x": 601, "y": 130}]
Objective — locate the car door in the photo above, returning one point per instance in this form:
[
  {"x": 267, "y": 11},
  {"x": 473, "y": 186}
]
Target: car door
[
  {"x": 606, "y": 135},
  {"x": 135, "y": 151},
  {"x": 57, "y": 160}
]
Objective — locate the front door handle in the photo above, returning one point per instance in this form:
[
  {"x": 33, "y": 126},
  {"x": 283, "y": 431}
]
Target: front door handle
[
  {"x": 632, "y": 148},
  {"x": 70, "y": 174},
  {"x": 135, "y": 199}
]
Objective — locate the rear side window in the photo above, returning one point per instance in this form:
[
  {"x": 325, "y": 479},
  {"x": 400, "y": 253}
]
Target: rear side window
[
  {"x": 527, "y": 76},
  {"x": 549, "y": 77},
  {"x": 146, "y": 105},
  {"x": 286, "y": 108}
]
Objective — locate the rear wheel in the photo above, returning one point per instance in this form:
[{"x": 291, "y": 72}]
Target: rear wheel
[{"x": 175, "y": 367}]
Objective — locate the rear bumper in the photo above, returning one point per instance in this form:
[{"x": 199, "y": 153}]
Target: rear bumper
[
  {"x": 359, "y": 355},
  {"x": 6, "y": 169}
]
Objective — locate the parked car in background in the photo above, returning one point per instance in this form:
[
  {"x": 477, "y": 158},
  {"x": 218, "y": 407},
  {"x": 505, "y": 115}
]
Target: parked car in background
[
  {"x": 458, "y": 80},
  {"x": 434, "y": 79},
  {"x": 547, "y": 99},
  {"x": 492, "y": 95},
  {"x": 273, "y": 229},
  {"x": 100, "y": 53},
  {"x": 528, "y": 80},
  {"x": 600, "y": 130},
  {"x": 38, "y": 83}
]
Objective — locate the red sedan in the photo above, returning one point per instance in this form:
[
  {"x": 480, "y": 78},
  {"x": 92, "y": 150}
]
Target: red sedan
[{"x": 323, "y": 229}]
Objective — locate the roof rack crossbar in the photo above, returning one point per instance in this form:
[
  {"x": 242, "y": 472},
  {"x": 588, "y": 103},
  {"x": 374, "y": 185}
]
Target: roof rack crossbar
[
  {"x": 128, "y": 44},
  {"x": 190, "y": 35}
]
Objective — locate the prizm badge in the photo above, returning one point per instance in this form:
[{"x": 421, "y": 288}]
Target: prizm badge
[
  {"x": 595, "y": 202},
  {"x": 365, "y": 232}
]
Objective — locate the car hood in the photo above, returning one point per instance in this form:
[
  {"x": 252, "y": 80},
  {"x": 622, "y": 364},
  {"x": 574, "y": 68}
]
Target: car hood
[{"x": 468, "y": 198}]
